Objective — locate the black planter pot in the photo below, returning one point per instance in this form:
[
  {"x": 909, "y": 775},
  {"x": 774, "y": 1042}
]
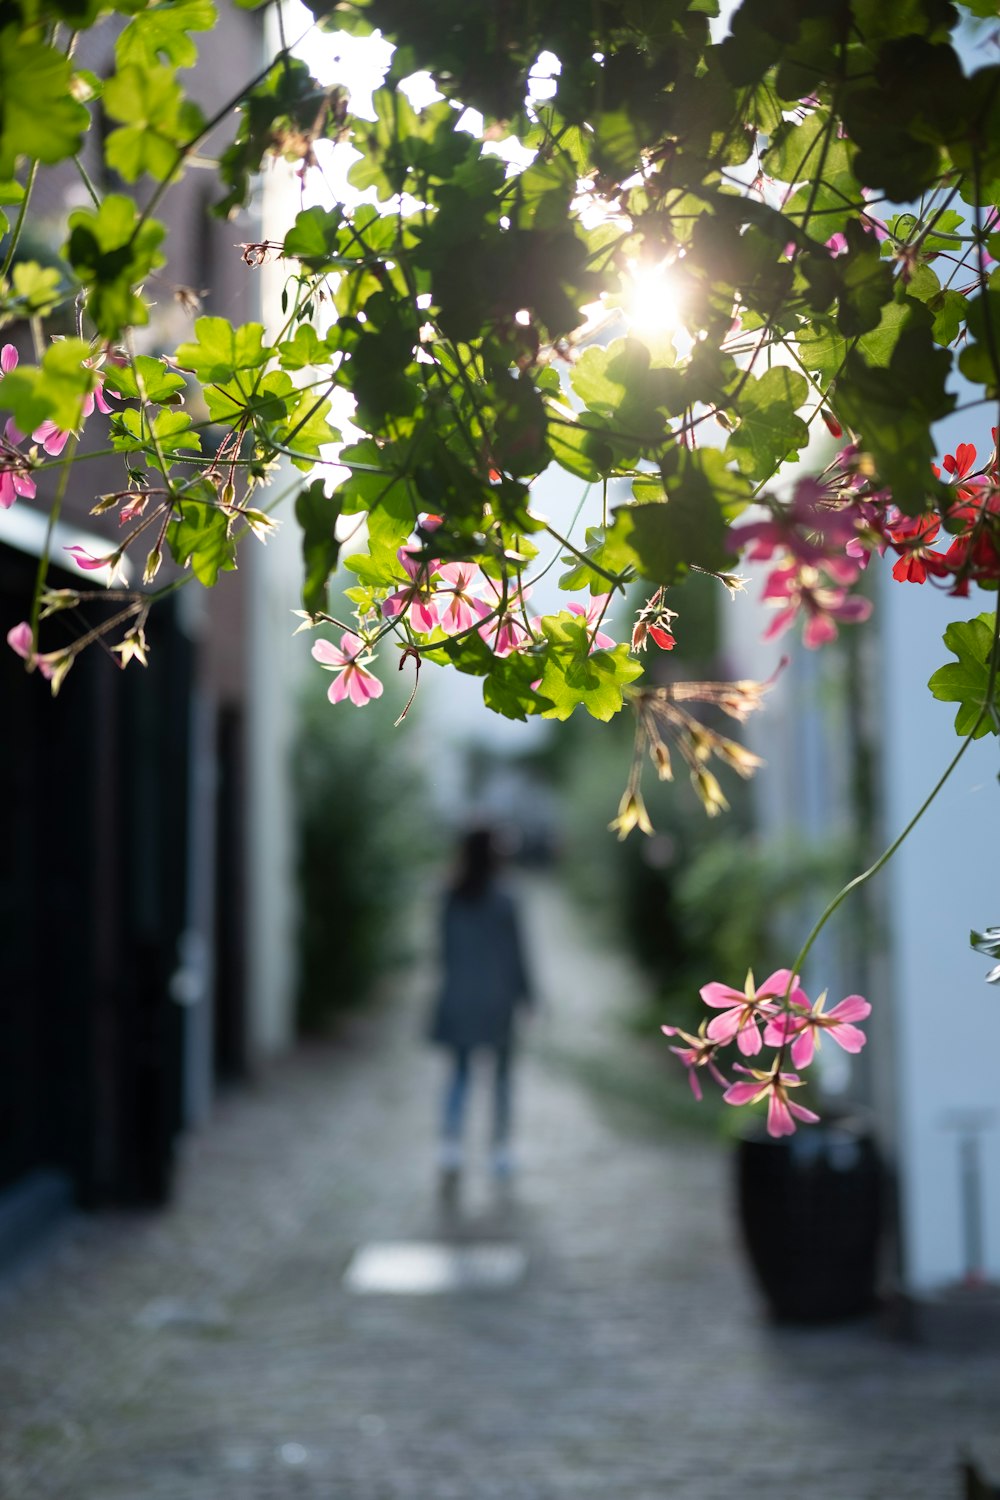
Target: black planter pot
[{"x": 810, "y": 1208}]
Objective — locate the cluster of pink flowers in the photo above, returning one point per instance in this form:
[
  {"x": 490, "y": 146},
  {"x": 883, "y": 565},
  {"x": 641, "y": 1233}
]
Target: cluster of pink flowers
[
  {"x": 821, "y": 541},
  {"x": 15, "y": 466},
  {"x": 776, "y": 1014},
  {"x": 813, "y": 538},
  {"x": 446, "y": 599}
]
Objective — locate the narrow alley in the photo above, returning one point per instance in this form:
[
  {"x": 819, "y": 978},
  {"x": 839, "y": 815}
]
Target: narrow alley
[{"x": 214, "y": 1352}]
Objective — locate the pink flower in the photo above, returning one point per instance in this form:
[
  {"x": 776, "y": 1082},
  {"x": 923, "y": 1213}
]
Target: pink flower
[
  {"x": 744, "y": 1009},
  {"x": 353, "y": 680},
  {"x": 805, "y": 1029},
  {"x": 53, "y": 439},
  {"x": 88, "y": 561},
  {"x": 814, "y": 528},
  {"x": 802, "y": 589},
  {"x": 15, "y": 472},
  {"x": 774, "y": 1088},
  {"x": 505, "y": 631},
  {"x": 417, "y": 598},
  {"x": 463, "y": 608},
  {"x": 19, "y": 639},
  {"x": 699, "y": 1053},
  {"x": 594, "y": 616}
]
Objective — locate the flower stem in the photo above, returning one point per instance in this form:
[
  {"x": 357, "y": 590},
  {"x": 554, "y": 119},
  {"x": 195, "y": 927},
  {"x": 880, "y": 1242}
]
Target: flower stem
[{"x": 887, "y": 854}]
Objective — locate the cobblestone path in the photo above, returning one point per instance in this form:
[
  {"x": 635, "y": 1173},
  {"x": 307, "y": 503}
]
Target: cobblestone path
[{"x": 212, "y": 1352}]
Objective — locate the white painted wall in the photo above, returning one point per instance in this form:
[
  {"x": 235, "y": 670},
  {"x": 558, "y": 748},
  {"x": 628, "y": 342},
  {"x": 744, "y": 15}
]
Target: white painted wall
[{"x": 942, "y": 882}]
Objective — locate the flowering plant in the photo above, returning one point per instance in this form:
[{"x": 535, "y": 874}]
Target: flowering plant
[{"x": 623, "y": 242}]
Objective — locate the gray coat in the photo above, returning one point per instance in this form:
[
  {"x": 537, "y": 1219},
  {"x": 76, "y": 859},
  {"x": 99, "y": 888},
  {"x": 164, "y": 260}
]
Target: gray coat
[{"x": 485, "y": 977}]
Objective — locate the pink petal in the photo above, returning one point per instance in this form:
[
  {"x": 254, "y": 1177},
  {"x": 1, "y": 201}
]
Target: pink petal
[
  {"x": 337, "y": 691},
  {"x": 744, "y": 1093},
  {"x": 781, "y": 622},
  {"x": 780, "y": 983},
  {"x": 328, "y": 654},
  {"x": 695, "y": 1083},
  {"x": 851, "y": 1008},
  {"x": 779, "y": 1117},
  {"x": 724, "y": 1028},
  {"x": 849, "y": 1037},
  {"x": 803, "y": 1048},
  {"x": 819, "y": 631},
  {"x": 19, "y": 637},
  {"x": 362, "y": 686},
  {"x": 395, "y": 604},
  {"x": 51, "y": 437},
  {"x": 8, "y": 359},
  {"x": 801, "y": 1113},
  {"x": 720, "y": 995},
  {"x": 424, "y": 617},
  {"x": 854, "y": 609},
  {"x": 86, "y": 560},
  {"x": 748, "y": 1039}
]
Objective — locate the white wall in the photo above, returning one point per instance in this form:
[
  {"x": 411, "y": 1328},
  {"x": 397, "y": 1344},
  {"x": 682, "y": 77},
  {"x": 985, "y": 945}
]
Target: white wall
[{"x": 942, "y": 882}]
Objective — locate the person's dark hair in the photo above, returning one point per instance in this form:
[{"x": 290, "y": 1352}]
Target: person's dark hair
[{"x": 477, "y": 864}]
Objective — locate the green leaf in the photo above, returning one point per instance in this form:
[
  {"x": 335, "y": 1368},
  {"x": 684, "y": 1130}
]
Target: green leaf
[
  {"x": 313, "y": 238},
  {"x": 507, "y": 686},
  {"x": 10, "y": 192},
  {"x": 37, "y": 288},
  {"x": 317, "y": 513},
  {"x": 609, "y": 551},
  {"x": 304, "y": 350},
  {"x": 978, "y": 361},
  {"x": 801, "y": 152},
  {"x": 221, "y": 350},
  {"x": 575, "y": 446},
  {"x": 250, "y": 397},
  {"x": 159, "y": 383},
  {"x": 200, "y": 537},
  {"x": 54, "y": 389},
  {"x": 160, "y": 33},
  {"x": 892, "y": 409},
  {"x": 306, "y": 430},
  {"x": 770, "y": 429},
  {"x": 130, "y": 433},
  {"x": 574, "y": 675},
  {"x": 158, "y": 121},
  {"x": 111, "y": 252},
  {"x": 867, "y": 283},
  {"x": 966, "y": 681},
  {"x": 39, "y": 118}
]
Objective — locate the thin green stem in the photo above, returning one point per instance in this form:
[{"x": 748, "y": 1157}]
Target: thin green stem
[
  {"x": 19, "y": 221},
  {"x": 43, "y": 561},
  {"x": 887, "y": 854},
  {"x": 87, "y": 180}
]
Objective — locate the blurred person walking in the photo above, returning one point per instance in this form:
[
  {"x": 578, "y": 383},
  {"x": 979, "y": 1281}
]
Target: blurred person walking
[{"x": 485, "y": 982}]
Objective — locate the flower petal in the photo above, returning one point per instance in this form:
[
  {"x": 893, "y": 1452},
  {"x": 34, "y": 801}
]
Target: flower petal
[
  {"x": 328, "y": 655},
  {"x": 721, "y": 995},
  {"x": 744, "y": 1093},
  {"x": 851, "y": 1008}
]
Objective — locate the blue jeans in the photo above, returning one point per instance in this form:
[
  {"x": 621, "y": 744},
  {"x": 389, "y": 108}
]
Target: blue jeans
[{"x": 457, "y": 1095}]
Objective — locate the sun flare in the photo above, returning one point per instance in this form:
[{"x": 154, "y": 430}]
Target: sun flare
[{"x": 652, "y": 303}]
